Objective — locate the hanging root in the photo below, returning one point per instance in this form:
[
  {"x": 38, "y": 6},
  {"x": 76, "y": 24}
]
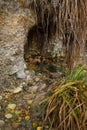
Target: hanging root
[{"x": 65, "y": 18}]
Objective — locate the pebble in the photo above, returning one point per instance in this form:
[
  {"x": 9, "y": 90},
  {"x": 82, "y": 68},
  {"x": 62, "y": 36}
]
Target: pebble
[
  {"x": 18, "y": 69},
  {"x": 32, "y": 72},
  {"x": 43, "y": 86},
  {"x": 2, "y": 123},
  {"x": 27, "y": 72},
  {"x": 21, "y": 75},
  {"x": 29, "y": 102},
  {"x": 24, "y": 86},
  {"x": 15, "y": 125},
  {"x": 46, "y": 127},
  {"x": 39, "y": 128},
  {"x": 28, "y": 78},
  {"x": 0, "y": 108},
  {"x": 11, "y": 106},
  {"x": 33, "y": 89},
  {"x": 0, "y": 97},
  {"x": 17, "y": 90},
  {"x": 37, "y": 79},
  {"x": 8, "y": 116}
]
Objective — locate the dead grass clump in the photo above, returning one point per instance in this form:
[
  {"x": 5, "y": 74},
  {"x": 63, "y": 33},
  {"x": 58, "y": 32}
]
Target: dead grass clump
[{"x": 67, "y": 106}]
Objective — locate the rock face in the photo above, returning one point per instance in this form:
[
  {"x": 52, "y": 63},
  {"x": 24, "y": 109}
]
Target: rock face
[{"x": 14, "y": 24}]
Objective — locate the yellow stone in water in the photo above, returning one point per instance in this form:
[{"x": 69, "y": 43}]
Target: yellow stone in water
[
  {"x": 12, "y": 111},
  {"x": 39, "y": 128},
  {"x": 17, "y": 90},
  {"x": 27, "y": 118},
  {"x": 11, "y": 106},
  {"x": 29, "y": 102},
  {"x": 15, "y": 125},
  {"x": 34, "y": 124},
  {"x": 8, "y": 116}
]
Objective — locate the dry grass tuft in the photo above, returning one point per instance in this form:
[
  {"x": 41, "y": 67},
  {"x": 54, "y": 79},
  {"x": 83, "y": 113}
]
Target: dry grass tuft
[{"x": 67, "y": 106}]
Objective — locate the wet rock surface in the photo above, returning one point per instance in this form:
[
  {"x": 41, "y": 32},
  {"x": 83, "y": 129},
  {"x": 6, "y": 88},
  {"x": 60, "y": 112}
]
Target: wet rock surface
[{"x": 14, "y": 24}]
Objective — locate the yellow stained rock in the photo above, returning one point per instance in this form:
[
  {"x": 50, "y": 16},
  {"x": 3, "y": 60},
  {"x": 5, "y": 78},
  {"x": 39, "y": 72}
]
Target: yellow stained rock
[
  {"x": 15, "y": 125},
  {"x": 29, "y": 102},
  {"x": 39, "y": 128},
  {"x": 17, "y": 90},
  {"x": 12, "y": 111},
  {"x": 27, "y": 118},
  {"x": 11, "y": 106},
  {"x": 34, "y": 124},
  {"x": 0, "y": 97},
  {"x": 8, "y": 116}
]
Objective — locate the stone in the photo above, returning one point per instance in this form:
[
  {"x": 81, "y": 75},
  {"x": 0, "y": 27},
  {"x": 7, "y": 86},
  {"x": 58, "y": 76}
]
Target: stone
[
  {"x": 47, "y": 127},
  {"x": 15, "y": 125},
  {"x": 17, "y": 90},
  {"x": 39, "y": 128},
  {"x": 28, "y": 78},
  {"x": 29, "y": 102},
  {"x": 8, "y": 116},
  {"x": 31, "y": 72},
  {"x": 43, "y": 86},
  {"x": 11, "y": 106},
  {"x": 21, "y": 75},
  {"x": 0, "y": 108},
  {"x": 2, "y": 123},
  {"x": 33, "y": 89},
  {"x": 0, "y": 97},
  {"x": 37, "y": 79},
  {"x": 23, "y": 85},
  {"x": 27, "y": 72}
]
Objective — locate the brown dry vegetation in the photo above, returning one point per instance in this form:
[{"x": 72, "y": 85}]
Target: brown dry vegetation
[{"x": 64, "y": 19}]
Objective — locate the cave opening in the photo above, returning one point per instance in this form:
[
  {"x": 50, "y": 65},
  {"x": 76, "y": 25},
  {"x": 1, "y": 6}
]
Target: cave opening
[{"x": 54, "y": 20}]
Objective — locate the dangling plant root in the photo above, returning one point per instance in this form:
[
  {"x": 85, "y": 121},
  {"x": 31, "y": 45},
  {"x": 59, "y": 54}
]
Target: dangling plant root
[{"x": 64, "y": 19}]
